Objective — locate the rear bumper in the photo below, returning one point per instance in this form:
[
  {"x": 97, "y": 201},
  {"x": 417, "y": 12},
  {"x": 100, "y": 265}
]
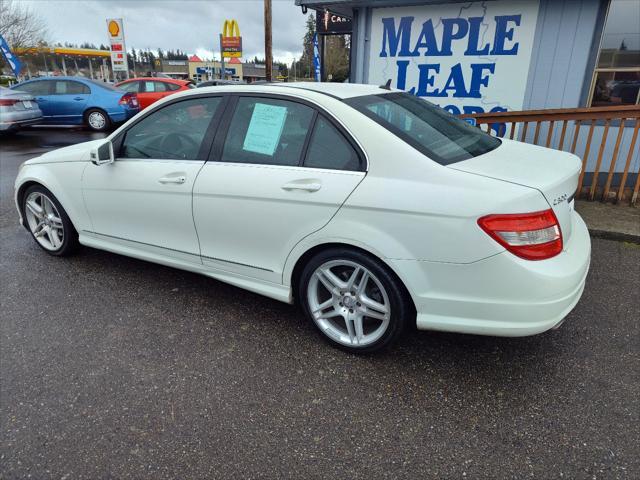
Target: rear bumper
[
  {"x": 9, "y": 123},
  {"x": 122, "y": 115},
  {"x": 502, "y": 295}
]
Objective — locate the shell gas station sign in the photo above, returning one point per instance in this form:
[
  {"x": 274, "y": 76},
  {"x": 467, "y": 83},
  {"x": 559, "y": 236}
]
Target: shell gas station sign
[
  {"x": 116, "y": 42},
  {"x": 230, "y": 40}
]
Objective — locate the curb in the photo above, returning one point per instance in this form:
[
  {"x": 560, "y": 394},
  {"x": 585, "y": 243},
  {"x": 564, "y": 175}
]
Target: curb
[{"x": 616, "y": 236}]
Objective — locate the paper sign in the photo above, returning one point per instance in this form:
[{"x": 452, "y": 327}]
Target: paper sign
[{"x": 265, "y": 128}]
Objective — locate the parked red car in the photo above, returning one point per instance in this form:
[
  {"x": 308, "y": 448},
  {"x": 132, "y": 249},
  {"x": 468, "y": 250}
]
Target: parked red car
[{"x": 151, "y": 89}]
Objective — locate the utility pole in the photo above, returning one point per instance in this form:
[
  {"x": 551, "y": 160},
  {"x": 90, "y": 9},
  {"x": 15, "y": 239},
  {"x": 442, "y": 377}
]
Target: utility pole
[{"x": 268, "y": 55}]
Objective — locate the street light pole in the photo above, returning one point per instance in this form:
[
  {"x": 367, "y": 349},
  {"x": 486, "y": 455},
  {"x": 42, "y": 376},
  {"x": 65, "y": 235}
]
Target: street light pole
[{"x": 268, "y": 55}]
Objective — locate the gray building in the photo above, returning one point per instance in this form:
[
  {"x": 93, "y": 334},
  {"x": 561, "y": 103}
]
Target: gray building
[{"x": 500, "y": 55}]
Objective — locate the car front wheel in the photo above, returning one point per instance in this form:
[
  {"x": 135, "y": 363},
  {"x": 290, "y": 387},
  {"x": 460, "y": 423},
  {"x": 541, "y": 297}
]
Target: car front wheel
[
  {"x": 356, "y": 303},
  {"x": 48, "y": 222}
]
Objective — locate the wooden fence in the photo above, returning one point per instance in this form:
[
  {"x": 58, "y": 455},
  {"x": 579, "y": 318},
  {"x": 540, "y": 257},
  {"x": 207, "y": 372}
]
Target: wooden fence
[{"x": 562, "y": 128}]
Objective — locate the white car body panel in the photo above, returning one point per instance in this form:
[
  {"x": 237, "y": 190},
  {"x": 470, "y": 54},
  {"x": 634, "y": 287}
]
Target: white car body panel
[
  {"x": 415, "y": 215},
  {"x": 249, "y": 223},
  {"x": 136, "y": 200}
]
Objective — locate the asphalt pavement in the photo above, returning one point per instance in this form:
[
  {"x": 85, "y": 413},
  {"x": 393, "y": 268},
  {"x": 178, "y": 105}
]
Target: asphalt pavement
[{"x": 113, "y": 368}]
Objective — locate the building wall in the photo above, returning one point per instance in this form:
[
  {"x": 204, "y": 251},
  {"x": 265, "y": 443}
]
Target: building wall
[
  {"x": 563, "y": 58},
  {"x": 193, "y": 66}
]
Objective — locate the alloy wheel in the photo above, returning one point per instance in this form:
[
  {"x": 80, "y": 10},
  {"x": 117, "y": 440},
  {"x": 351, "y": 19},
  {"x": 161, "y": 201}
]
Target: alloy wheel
[
  {"x": 97, "y": 120},
  {"x": 44, "y": 221},
  {"x": 348, "y": 303}
]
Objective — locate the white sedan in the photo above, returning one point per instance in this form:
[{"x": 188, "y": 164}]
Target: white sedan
[{"x": 371, "y": 208}]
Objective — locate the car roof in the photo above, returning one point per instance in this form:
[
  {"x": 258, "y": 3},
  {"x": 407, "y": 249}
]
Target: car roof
[
  {"x": 61, "y": 77},
  {"x": 338, "y": 91},
  {"x": 157, "y": 79}
]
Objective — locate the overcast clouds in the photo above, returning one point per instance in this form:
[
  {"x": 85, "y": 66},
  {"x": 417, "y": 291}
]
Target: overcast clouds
[{"x": 190, "y": 25}]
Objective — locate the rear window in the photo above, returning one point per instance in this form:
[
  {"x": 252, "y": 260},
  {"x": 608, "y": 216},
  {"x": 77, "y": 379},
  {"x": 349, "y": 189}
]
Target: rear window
[
  {"x": 433, "y": 131},
  {"x": 105, "y": 85}
]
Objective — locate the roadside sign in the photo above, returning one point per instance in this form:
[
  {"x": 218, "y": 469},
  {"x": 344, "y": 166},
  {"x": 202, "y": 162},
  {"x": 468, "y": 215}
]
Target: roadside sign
[
  {"x": 231, "y": 41},
  {"x": 329, "y": 23},
  {"x": 118, "y": 48}
]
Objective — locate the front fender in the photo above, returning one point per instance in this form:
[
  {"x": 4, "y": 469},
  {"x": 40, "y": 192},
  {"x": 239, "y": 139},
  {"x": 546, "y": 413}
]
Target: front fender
[{"x": 64, "y": 180}]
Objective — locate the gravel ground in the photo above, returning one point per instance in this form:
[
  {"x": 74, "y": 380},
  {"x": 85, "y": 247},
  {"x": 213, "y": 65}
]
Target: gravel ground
[{"x": 115, "y": 368}]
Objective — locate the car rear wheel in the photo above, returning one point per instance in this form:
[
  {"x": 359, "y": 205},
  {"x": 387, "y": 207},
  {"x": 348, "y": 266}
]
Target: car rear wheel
[
  {"x": 97, "y": 120},
  {"x": 48, "y": 222},
  {"x": 356, "y": 303}
]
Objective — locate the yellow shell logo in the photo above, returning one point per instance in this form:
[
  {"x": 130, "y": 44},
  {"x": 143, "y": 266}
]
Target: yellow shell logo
[{"x": 114, "y": 28}]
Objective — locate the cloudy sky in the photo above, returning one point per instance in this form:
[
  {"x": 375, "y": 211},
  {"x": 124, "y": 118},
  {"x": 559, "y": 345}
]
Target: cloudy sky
[{"x": 190, "y": 25}]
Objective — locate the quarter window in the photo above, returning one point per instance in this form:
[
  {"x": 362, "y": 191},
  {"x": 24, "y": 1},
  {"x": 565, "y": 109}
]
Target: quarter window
[
  {"x": 267, "y": 131},
  {"x": 173, "y": 132},
  {"x": 329, "y": 149}
]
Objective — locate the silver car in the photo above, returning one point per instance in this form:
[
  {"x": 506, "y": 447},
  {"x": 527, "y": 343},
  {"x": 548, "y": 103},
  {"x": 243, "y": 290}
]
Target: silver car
[{"x": 17, "y": 109}]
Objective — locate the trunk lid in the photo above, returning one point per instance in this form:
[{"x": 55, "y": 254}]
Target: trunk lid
[{"x": 552, "y": 172}]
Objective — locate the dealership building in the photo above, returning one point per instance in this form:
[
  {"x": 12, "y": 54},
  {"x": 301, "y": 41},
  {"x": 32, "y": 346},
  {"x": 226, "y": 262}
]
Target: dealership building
[{"x": 494, "y": 56}]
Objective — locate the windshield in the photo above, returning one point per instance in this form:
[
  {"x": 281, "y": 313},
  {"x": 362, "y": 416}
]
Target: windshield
[{"x": 433, "y": 131}]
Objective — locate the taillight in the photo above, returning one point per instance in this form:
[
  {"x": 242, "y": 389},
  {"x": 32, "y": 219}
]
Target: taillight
[
  {"x": 130, "y": 99},
  {"x": 532, "y": 236},
  {"x": 5, "y": 102}
]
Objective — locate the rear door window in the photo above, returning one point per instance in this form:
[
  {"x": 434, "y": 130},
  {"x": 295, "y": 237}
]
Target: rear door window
[
  {"x": 69, "y": 87},
  {"x": 267, "y": 131},
  {"x": 149, "y": 87}
]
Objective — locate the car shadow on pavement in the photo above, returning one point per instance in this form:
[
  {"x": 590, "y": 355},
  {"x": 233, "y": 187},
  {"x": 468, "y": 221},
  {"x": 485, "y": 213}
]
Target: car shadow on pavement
[{"x": 192, "y": 300}]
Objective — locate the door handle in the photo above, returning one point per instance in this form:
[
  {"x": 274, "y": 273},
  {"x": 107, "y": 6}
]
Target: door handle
[
  {"x": 300, "y": 185},
  {"x": 179, "y": 180},
  {"x": 78, "y": 98}
]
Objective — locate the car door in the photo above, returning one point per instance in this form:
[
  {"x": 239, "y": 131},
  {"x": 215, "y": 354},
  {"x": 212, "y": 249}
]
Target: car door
[
  {"x": 149, "y": 93},
  {"x": 131, "y": 87},
  {"x": 68, "y": 101},
  {"x": 143, "y": 199},
  {"x": 40, "y": 89},
  {"x": 255, "y": 200}
]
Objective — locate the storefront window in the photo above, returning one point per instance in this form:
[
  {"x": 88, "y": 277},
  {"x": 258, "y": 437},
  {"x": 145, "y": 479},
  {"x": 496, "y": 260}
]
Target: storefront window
[{"x": 616, "y": 80}]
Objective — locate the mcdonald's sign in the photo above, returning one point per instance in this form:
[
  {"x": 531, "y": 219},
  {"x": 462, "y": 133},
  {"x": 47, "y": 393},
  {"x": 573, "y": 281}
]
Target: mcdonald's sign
[{"x": 231, "y": 41}]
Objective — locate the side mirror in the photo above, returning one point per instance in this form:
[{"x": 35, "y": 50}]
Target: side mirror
[{"x": 103, "y": 154}]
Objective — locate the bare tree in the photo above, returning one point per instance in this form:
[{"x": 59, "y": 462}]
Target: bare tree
[{"x": 20, "y": 26}]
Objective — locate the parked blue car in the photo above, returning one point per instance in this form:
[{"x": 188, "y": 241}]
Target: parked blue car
[{"x": 80, "y": 101}]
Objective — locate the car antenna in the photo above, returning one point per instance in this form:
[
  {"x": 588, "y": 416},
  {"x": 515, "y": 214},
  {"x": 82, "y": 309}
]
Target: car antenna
[{"x": 386, "y": 86}]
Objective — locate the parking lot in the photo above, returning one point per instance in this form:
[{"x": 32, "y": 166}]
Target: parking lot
[{"x": 111, "y": 367}]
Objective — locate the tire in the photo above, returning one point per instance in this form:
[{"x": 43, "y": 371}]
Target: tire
[
  {"x": 51, "y": 228},
  {"x": 346, "y": 304},
  {"x": 97, "y": 120}
]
